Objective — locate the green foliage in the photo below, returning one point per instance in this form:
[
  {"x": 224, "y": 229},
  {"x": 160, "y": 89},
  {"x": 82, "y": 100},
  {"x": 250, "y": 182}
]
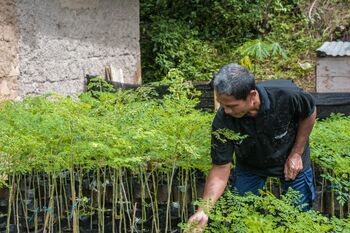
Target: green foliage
[
  {"x": 256, "y": 49},
  {"x": 259, "y": 51},
  {"x": 132, "y": 130},
  {"x": 175, "y": 46},
  {"x": 329, "y": 143},
  {"x": 98, "y": 85},
  {"x": 121, "y": 129},
  {"x": 198, "y": 37},
  {"x": 235, "y": 213},
  {"x": 224, "y": 134},
  {"x": 331, "y": 150}
]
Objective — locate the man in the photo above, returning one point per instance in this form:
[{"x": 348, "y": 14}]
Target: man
[{"x": 276, "y": 120}]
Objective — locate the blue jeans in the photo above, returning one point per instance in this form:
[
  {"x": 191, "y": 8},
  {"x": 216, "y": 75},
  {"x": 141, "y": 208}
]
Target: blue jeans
[{"x": 246, "y": 181}]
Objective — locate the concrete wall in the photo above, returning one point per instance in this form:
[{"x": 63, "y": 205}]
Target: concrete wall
[
  {"x": 8, "y": 50},
  {"x": 60, "y": 41},
  {"x": 333, "y": 74}
]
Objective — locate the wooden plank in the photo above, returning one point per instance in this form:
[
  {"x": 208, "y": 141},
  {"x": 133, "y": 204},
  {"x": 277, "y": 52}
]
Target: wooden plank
[
  {"x": 332, "y": 84},
  {"x": 216, "y": 103},
  {"x": 333, "y": 67}
]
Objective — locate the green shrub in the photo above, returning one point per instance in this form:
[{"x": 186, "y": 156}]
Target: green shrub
[
  {"x": 122, "y": 129},
  {"x": 235, "y": 213},
  {"x": 198, "y": 37},
  {"x": 176, "y": 46},
  {"x": 331, "y": 151}
]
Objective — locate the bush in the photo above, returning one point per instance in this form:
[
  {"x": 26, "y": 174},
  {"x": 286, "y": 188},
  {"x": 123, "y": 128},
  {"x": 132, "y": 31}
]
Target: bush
[
  {"x": 243, "y": 214},
  {"x": 198, "y": 37}
]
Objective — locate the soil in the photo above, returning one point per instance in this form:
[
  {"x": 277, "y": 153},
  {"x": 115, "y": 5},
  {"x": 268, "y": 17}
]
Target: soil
[{"x": 307, "y": 83}]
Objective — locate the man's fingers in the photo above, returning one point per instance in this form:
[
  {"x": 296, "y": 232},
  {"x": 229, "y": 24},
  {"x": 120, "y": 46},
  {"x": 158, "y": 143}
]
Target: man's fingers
[
  {"x": 287, "y": 172},
  {"x": 291, "y": 170},
  {"x": 195, "y": 218},
  {"x": 290, "y": 174},
  {"x": 197, "y": 230},
  {"x": 197, "y": 222},
  {"x": 192, "y": 220},
  {"x": 203, "y": 222},
  {"x": 200, "y": 219}
]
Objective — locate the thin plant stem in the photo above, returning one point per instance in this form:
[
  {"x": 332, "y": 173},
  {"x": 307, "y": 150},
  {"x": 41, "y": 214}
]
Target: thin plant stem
[
  {"x": 45, "y": 197},
  {"x": 46, "y": 215},
  {"x": 123, "y": 196},
  {"x": 104, "y": 199},
  {"x": 184, "y": 214},
  {"x": 348, "y": 202},
  {"x": 168, "y": 213},
  {"x": 15, "y": 213},
  {"x": 143, "y": 201},
  {"x": 322, "y": 193},
  {"x": 121, "y": 209},
  {"x": 80, "y": 187},
  {"x": 39, "y": 191},
  {"x": 133, "y": 218},
  {"x": 24, "y": 207},
  {"x": 99, "y": 198},
  {"x": 58, "y": 205},
  {"x": 50, "y": 211},
  {"x": 194, "y": 189},
  {"x": 127, "y": 192},
  {"x": 332, "y": 198},
  {"x": 72, "y": 183},
  {"x": 52, "y": 203},
  {"x": 35, "y": 217},
  {"x": 270, "y": 184},
  {"x": 74, "y": 200},
  {"x": 35, "y": 205},
  {"x": 154, "y": 214},
  {"x": 17, "y": 199},
  {"x": 155, "y": 191},
  {"x": 66, "y": 203},
  {"x": 92, "y": 200},
  {"x": 332, "y": 204},
  {"x": 9, "y": 208},
  {"x": 341, "y": 211},
  {"x": 128, "y": 188},
  {"x": 114, "y": 199}
]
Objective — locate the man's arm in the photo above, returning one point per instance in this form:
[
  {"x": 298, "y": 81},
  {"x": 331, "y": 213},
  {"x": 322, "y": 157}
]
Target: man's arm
[
  {"x": 294, "y": 162},
  {"x": 214, "y": 187}
]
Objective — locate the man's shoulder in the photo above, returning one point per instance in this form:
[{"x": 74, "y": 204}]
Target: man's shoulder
[
  {"x": 280, "y": 88},
  {"x": 278, "y": 84}
]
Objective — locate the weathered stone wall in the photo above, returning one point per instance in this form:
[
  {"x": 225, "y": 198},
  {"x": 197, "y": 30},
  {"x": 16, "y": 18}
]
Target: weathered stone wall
[
  {"x": 8, "y": 50},
  {"x": 63, "y": 40}
]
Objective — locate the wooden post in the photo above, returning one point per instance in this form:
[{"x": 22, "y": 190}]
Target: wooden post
[{"x": 216, "y": 103}]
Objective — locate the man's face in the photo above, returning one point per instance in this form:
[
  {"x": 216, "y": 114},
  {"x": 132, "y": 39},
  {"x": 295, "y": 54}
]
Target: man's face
[{"x": 235, "y": 108}]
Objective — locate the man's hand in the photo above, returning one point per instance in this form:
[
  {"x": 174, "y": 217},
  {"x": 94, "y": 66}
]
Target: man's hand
[
  {"x": 294, "y": 163},
  {"x": 214, "y": 187},
  {"x": 199, "y": 217},
  {"x": 293, "y": 166}
]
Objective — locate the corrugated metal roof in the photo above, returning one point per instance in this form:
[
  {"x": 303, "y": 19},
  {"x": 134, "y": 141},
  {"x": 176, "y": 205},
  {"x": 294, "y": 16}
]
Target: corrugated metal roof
[{"x": 335, "y": 48}]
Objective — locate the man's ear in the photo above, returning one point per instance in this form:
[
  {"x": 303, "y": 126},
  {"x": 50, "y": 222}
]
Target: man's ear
[{"x": 253, "y": 93}]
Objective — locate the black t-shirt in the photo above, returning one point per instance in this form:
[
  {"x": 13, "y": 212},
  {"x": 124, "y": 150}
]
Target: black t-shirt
[{"x": 270, "y": 134}]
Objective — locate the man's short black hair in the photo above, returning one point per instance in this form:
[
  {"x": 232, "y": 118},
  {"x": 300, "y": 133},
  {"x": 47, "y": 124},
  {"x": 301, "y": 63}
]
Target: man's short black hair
[{"x": 234, "y": 80}]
